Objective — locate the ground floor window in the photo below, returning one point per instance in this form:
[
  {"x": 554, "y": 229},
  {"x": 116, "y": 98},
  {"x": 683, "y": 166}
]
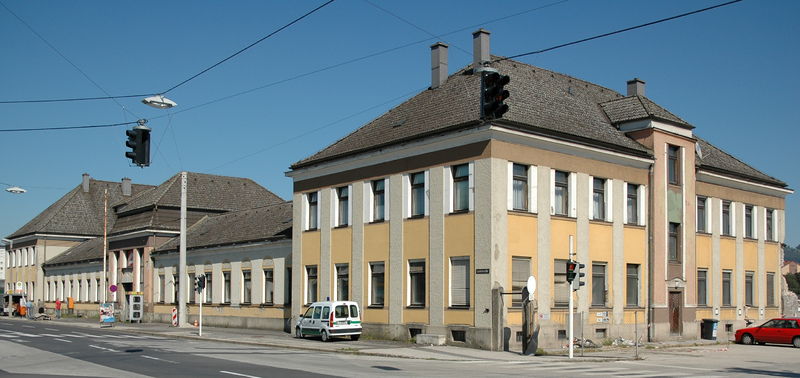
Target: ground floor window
[
  {"x": 560, "y": 284},
  {"x": 632, "y": 285},
  {"x": 226, "y": 287},
  {"x": 269, "y": 286},
  {"x": 416, "y": 281},
  {"x": 342, "y": 282},
  {"x": 770, "y": 289},
  {"x": 376, "y": 283},
  {"x": 459, "y": 281},
  {"x": 520, "y": 271},
  {"x": 247, "y": 288},
  {"x": 311, "y": 283}
]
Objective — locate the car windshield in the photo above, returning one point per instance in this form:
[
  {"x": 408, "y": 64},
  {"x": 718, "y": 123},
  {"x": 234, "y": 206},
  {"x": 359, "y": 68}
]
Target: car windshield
[{"x": 341, "y": 311}]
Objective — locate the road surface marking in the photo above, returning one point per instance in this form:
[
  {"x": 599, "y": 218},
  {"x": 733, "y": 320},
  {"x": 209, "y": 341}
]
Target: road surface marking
[
  {"x": 666, "y": 366},
  {"x": 101, "y": 348},
  {"x": 239, "y": 374},
  {"x": 51, "y": 329},
  {"x": 159, "y": 359},
  {"x": 66, "y": 341},
  {"x": 27, "y": 326}
]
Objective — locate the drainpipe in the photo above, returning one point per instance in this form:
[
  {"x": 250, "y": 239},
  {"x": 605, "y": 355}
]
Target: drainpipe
[{"x": 650, "y": 247}]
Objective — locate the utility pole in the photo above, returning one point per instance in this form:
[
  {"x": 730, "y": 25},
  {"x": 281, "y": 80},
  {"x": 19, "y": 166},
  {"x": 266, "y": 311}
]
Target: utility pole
[
  {"x": 182, "y": 284},
  {"x": 105, "y": 242}
]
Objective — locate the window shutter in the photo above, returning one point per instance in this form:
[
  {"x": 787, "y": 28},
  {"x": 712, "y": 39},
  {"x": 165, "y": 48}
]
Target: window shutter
[
  {"x": 552, "y": 191},
  {"x": 510, "y": 183},
  {"x": 427, "y": 192},
  {"x": 448, "y": 190},
  {"x": 459, "y": 282}
]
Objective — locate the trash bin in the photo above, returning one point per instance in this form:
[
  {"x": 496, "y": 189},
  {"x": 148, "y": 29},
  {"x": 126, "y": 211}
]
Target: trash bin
[{"x": 708, "y": 329}]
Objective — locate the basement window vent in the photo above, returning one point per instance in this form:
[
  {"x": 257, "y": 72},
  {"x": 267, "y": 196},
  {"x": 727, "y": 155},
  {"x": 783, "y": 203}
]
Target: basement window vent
[
  {"x": 459, "y": 335},
  {"x": 519, "y": 336},
  {"x": 562, "y": 334},
  {"x": 413, "y": 332}
]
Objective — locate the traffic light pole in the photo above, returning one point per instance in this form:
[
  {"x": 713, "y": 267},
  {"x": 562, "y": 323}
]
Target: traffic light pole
[
  {"x": 200, "y": 318},
  {"x": 571, "y": 292},
  {"x": 183, "y": 286}
]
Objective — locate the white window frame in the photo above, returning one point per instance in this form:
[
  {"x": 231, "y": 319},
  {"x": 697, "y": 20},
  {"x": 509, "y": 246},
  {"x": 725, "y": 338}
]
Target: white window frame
[
  {"x": 571, "y": 180},
  {"x": 532, "y": 181},
  {"x": 370, "y": 298},
  {"x": 335, "y": 206},
  {"x": 753, "y": 230},
  {"x": 407, "y": 193},
  {"x": 369, "y": 199},
  {"x": 408, "y": 281},
  {"x": 608, "y": 185},
  {"x": 449, "y": 184},
  {"x": 707, "y": 214},
  {"x": 306, "y": 208},
  {"x": 336, "y": 280}
]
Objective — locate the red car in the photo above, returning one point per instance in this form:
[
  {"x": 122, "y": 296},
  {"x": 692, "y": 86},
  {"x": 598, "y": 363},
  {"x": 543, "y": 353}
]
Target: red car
[{"x": 776, "y": 331}]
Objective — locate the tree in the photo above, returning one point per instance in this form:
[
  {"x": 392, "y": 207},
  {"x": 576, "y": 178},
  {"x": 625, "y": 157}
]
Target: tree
[{"x": 793, "y": 280}]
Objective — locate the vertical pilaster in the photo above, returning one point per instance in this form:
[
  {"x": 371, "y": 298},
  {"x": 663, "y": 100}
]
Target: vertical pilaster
[
  {"x": 583, "y": 194},
  {"x": 544, "y": 276},
  {"x": 397, "y": 202},
  {"x": 738, "y": 225},
  {"x": 325, "y": 221},
  {"x": 298, "y": 211},
  {"x": 357, "y": 256},
  {"x": 618, "y": 269},
  {"x": 437, "y": 262},
  {"x": 759, "y": 214},
  {"x": 715, "y": 207}
]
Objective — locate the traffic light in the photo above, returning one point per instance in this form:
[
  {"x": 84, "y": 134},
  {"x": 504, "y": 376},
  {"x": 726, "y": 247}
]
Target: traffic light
[
  {"x": 577, "y": 281},
  {"x": 139, "y": 143},
  {"x": 493, "y": 93},
  {"x": 200, "y": 283},
  {"x": 571, "y": 265}
]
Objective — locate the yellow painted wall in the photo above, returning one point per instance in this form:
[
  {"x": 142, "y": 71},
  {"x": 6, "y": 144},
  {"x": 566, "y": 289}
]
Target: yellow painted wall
[
  {"x": 771, "y": 257},
  {"x": 341, "y": 252},
  {"x": 376, "y": 315},
  {"x": 704, "y": 313},
  {"x": 727, "y": 313},
  {"x": 600, "y": 250},
  {"x": 311, "y": 256},
  {"x": 276, "y": 312},
  {"x": 459, "y": 231},
  {"x": 727, "y": 254},
  {"x": 750, "y": 255},
  {"x": 560, "y": 231},
  {"x": 415, "y": 246},
  {"x": 376, "y": 248},
  {"x": 522, "y": 242},
  {"x": 703, "y": 255}
]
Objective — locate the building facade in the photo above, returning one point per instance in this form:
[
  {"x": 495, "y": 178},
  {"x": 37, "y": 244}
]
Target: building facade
[{"x": 429, "y": 212}]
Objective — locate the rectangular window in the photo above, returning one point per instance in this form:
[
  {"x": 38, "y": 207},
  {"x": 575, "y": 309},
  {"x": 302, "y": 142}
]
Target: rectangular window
[
  {"x": 520, "y": 271},
  {"x": 702, "y": 287},
  {"x": 674, "y": 164},
  {"x": 459, "y": 281},
  {"x": 418, "y": 194},
  {"x": 416, "y": 280},
  {"x": 311, "y": 283},
  {"x": 247, "y": 287},
  {"x": 598, "y": 285},
  {"x": 342, "y": 282},
  {"x": 674, "y": 241},
  {"x": 561, "y": 193},
  {"x": 632, "y": 285},
  {"x": 726, "y": 288},
  {"x": 520, "y": 186},
  {"x": 376, "y": 283},
  {"x": 748, "y": 221},
  {"x": 632, "y": 205},
  {"x": 162, "y": 279},
  {"x": 209, "y": 287},
  {"x": 175, "y": 286},
  {"x": 701, "y": 214},
  {"x": 770, "y": 216},
  {"x": 191, "y": 288},
  {"x": 269, "y": 286},
  {"x": 726, "y": 217},
  {"x": 770, "y": 289},
  {"x": 287, "y": 286},
  {"x": 378, "y": 200},
  {"x": 313, "y": 204},
  {"x": 460, "y": 187},
  {"x": 226, "y": 289},
  {"x": 343, "y": 199},
  {"x": 599, "y": 199},
  {"x": 748, "y": 289},
  {"x": 560, "y": 284}
]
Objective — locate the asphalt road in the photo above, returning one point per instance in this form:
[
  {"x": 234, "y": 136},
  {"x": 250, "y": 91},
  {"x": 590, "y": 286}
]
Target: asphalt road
[{"x": 52, "y": 349}]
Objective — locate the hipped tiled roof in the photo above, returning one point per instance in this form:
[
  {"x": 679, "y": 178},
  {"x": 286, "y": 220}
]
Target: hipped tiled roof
[
  {"x": 712, "y": 158},
  {"x": 634, "y": 108},
  {"x": 271, "y": 222},
  {"x": 89, "y": 250},
  {"x": 78, "y": 212}
]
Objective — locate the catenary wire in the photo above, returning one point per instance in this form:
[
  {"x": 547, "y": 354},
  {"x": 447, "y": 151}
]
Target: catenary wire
[
  {"x": 70, "y": 127},
  {"x": 617, "y": 31},
  {"x": 301, "y": 75},
  {"x": 249, "y": 46},
  {"x": 57, "y": 51}
]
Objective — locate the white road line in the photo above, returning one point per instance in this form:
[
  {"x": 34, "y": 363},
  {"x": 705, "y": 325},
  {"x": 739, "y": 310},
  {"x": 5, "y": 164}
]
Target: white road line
[
  {"x": 665, "y": 366},
  {"x": 101, "y": 348},
  {"x": 158, "y": 359},
  {"x": 8, "y": 336},
  {"x": 52, "y": 329},
  {"x": 27, "y": 326},
  {"x": 66, "y": 341},
  {"x": 239, "y": 374}
]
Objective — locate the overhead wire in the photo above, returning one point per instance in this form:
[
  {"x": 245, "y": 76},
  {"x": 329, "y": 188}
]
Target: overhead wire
[
  {"x": 70, "y": 127},
  {"x": 617, "y": 31},
  {"x": 301, "y": 75},
  {"x": 75, "y": 66}
]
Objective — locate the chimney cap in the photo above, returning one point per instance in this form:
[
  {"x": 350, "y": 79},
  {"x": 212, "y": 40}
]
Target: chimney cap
[
  {"x": 635, "y": 80},
  {"x": 481, "y": 30},
  {"x": 439, "y": 44}
]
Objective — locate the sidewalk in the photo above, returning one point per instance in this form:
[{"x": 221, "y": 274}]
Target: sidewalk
[{"x": 384, "y": 348}]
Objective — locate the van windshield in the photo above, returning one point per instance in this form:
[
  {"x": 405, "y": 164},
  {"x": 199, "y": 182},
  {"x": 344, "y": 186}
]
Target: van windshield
[{"x": 341, "y": 311}]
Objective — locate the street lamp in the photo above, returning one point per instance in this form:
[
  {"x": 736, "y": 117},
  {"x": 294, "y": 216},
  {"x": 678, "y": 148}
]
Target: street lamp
[
  {"x": 159, "y": 102},
  {"x": 13, "y": 189}
]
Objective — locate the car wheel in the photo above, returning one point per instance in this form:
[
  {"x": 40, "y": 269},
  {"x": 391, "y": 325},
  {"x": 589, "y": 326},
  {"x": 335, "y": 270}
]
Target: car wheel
[
  {"x": 324, "y": 335},
  {"x": 298, "y": 333},
  {"x": 747, "y": 339},
  {"x": 796, "y": 341},
  {"x": 354, "y": 337}
]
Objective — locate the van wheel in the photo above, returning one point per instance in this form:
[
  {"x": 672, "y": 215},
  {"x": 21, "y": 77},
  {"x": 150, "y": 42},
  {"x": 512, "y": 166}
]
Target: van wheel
[
  {"x": 796, "y": 342},
  {"x": 324, "y": 335},
  {"x": 354, "y": 337},
  {"x": 747, "y": 339},
  {"x": 298, "y": 333}
]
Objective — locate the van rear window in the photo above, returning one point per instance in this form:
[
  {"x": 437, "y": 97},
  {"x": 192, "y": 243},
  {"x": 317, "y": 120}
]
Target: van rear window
[
  {"x": 354, "y": 311},
  {"x": 341, "y": 311}
]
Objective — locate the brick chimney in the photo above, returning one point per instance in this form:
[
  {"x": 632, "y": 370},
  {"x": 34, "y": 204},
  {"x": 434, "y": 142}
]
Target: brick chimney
[
  {"x": 636, "y": 87},
  {"x": 438, "y": 64},
  {"x": 480, "y": 48},
  {"x": 85, "y": 182},
  {"x": 126, "y": 186}
]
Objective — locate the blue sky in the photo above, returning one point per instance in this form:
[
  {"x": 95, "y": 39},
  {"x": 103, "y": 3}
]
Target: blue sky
[{"x": 732, "y": 72}]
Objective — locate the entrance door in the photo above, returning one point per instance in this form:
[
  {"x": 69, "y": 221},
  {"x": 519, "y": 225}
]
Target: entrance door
[{"x": 675, "y": 312}]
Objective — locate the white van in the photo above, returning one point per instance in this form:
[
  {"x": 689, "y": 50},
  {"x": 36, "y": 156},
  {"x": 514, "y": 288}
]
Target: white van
[{"x": 330, "y": 319}]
